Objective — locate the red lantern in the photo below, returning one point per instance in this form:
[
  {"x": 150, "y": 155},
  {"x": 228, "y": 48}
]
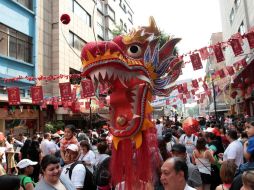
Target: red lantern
[
  {"x": 233, "y": 94},
  {"x": 247, "y": 81},
  {"x": 65, "y": 19}
]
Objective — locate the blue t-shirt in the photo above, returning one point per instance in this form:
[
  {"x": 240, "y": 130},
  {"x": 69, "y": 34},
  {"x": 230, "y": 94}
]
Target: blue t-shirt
[{"x": 250, "y": 148}]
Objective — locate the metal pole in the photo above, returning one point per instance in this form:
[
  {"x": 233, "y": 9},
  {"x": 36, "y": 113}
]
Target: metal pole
[
  {"x": 90, "y": 116},
  {"x": 214, "y": 101}
]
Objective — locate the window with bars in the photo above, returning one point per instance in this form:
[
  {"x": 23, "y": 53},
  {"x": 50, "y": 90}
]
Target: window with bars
[
  {"x": 232, "y": 16},
  {"x": 15, "y": 44},
  {"x": 241, "y": 28}
]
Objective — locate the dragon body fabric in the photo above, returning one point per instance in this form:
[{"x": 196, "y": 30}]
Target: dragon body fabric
[{"x": 135, "y": 69}]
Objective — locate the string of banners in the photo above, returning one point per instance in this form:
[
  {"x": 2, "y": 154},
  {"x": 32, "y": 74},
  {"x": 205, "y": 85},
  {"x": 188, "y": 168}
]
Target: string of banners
[{"x": 68, "y": 97}]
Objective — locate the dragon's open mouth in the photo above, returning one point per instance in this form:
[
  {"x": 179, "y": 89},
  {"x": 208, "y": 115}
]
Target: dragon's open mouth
[{"x": 128, "y": 90}]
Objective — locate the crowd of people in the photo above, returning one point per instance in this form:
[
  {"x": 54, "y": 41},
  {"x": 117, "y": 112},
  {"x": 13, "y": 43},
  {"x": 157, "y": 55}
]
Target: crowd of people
[{"x": 220, "y": 156}]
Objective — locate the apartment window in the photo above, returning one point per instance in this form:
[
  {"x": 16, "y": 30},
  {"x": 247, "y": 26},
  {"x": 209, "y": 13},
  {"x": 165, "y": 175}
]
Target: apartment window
[
  {"x": 100, "y": 18},
  {"x": 121, "y": 23},
  {"x": 130, "y": 17},
  {"x": 123, "y": 6},
  {"x": 111, "y": 13},
  {"x": 232, "y": 16},
  {"x": 26, "y": 3},
  {"x": 110, "y": 35},
  {"x": 241, "y": 28},
  {"x": 75, "y": 41},
  {"x": 125, "y": 28},
  {"x": 100, "y": 6},
  {"x": 15, "y": 44},
  {"x": 100, "y": 30},
  {"x": 81, "y": 12},
  {"x": 237, "y": 4}
]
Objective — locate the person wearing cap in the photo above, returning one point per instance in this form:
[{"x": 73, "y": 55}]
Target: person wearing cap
[
  {"x": 78, "y": 172},
  {"x": 194, "y": 177},
  {"x": 55, "y": 149},
  {"x": 26, "y": 169}
]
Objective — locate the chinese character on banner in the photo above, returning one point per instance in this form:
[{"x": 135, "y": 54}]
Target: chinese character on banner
[
  {"x": 180, "y": 88},
  {"x": 250, "y": 38},
  {"x": 194, "y": 83},
  {"x": 87, "y": 105},
  {"x": 65, "y": 91},
  {"x": 243, "y": 63},
  {"x": 236, "y": 46},
  {"x": 185, "y": 88},
  {"x": 196, "y": 61},
  {"x": 204, "y": 53},
  {"x": 13, "y": 95},
  {"x": 218, "y": 53},
  {"x": 87, "y": 88},
  {"x": 230, "y": 70},
  {"x": 36, "y": 94},
  {"x": 221, "y": 73},
  {"x": 167, "y": 102},
  {"x": 193, "y": 92}
]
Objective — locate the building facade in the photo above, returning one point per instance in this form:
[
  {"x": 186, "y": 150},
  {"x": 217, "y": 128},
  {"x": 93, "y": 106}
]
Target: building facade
[
  {"x": 34, "y": 42},
  {"x": 237, "y": 17},
  {"x": 18, "y": 57}
]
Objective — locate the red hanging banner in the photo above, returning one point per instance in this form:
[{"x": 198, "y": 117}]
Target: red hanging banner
[
  {"x": 250, "y": 38},
  {"x": 194, "y": 83},
  {"x": 13, "y": 95},
  {"x": 180, "y": 88},
  {"x": 218, "y": 53},
  {"x": 204, "y": 53},
  {"x": 36, "y": 94},
  {"x": 185, "y": 88},
  {"x": 87, "y": 88},
  {"x": 221, "y": 73},
  {"x": 167, "y": 102},
  {"x": 65, "y": 91},
  {"x": 193, "y": 92},
  {"x": 184, "y": 100},
  {"x": 238, "y": 36},
  {"x": 230, "y": 70},
  {"x": 196, "y": 61},
  {"x": 236, "y": 46}
]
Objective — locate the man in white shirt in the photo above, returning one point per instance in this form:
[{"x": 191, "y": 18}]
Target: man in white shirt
[
  {"x": 189, "y": 141},
  {"x": 159, "y": 128},
  {"x": 45, "y": 144},
  {"x": 78, "y": 173},
  {"x": 234, "y": 151},
  {"x": 174, "y": 174}
]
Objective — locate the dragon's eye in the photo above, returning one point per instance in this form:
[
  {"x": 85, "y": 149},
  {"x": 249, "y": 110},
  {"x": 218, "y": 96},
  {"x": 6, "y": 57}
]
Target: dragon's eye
[{"x": 134, "y": 51}]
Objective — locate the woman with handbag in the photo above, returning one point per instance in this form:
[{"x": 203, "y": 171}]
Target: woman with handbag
[{"x": 203, "y": 158}]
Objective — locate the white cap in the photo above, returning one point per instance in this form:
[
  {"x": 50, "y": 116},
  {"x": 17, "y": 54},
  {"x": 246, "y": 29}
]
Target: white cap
[
  {"x": 56, "y": 136},
  {"x": 73, "y": 147},
  {"x": 26, "y": 162}
]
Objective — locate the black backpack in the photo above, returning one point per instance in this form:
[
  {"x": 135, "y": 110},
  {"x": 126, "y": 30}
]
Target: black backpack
[
  {"x": 102, "y": 175},
  {"x": 88, "y": 182}
]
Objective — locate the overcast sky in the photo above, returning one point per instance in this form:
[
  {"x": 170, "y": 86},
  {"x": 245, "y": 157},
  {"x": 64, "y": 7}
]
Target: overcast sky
[{"x": 192, "y": 20}]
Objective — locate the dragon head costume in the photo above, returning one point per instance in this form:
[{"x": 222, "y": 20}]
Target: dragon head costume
[{"x": 135, "y": 68}]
